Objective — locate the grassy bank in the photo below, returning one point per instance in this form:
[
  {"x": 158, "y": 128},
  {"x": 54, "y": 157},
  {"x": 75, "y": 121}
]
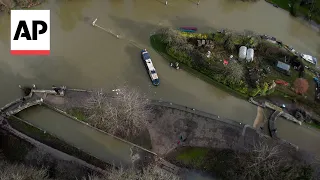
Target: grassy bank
[
  {"x": 300, "y": 10},
  {"x": 78, "y": 113},
  {"x": 160, "y": 47},
  {"x": 54, "y": 142}
]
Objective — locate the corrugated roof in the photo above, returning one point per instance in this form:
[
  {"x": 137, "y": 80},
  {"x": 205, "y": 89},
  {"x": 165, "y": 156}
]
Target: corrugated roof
[{"x": 283, "y": 66}]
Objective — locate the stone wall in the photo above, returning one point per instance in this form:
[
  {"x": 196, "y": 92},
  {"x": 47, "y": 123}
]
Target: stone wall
[{"x": 169, "y": 123}]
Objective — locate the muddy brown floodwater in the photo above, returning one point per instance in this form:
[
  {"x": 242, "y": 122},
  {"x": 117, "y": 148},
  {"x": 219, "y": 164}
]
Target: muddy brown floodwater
[{"x": 83, "y": 56}]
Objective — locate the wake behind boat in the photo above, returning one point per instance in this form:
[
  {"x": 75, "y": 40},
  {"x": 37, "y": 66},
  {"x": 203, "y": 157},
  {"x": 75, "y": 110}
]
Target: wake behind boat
[{"x": 150, "y": 68}]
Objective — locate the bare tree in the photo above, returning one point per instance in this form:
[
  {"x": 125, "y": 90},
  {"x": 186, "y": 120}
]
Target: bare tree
[
  {"x": 264, "y": 159},
  {"x": 21, "y": 172},
  {"x": 126, "y": 114},
  {"x": 149, "y": 173},
  {"x": 171, "y": 36},
  {"x": 235, "y": 71},
  {"x": 266, "y": 162}
]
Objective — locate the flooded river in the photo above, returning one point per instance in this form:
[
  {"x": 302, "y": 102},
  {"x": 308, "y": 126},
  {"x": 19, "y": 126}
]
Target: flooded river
[{"x": 83, "y": 56}]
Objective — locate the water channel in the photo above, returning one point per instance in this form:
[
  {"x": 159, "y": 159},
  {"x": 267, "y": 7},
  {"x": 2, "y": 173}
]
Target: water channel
[
  {"x": 79, "y": 135},
  {"x": 83, "y": 56}
]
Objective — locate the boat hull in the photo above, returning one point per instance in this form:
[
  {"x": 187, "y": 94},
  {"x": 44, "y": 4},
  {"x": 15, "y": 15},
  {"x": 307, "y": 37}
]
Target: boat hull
[{"x": 189, "y": 28}]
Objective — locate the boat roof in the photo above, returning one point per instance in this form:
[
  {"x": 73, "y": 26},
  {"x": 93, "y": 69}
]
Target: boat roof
[
  {"x": 154, "y": 76},
  {"x": 283, "y": 66},
  {"x": 309, "y": 58},
  {"x": 151, "y": 68}
]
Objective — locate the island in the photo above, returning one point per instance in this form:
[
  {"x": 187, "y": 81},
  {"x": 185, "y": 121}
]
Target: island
[{"x": 245, "y": 64}]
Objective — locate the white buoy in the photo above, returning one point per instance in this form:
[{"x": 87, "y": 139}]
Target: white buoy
[
  {"x": 166, "y": 3},
  {"x": 198, "y": 2}
]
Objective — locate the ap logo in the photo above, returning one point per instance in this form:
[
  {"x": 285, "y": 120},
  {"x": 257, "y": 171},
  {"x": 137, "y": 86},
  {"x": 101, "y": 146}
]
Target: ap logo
[{"x": 30, "y": 32}]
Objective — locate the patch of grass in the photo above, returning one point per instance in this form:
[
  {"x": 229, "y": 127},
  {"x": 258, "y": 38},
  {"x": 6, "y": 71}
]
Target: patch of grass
[
  {"x": 78, "y": 113},
  {"x": 193, "y": 156},
  {"x": 314, "y": 125},
  {"x": 14, "y": 148},
  {"x": 54, "y": 142},
  {"x": 281, "y": 3}
]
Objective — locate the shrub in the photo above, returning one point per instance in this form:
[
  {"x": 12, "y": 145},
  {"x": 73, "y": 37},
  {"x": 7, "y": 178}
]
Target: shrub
[
  {"x": 301, "y": 86},
  {"x": 194, "y": 35},
  {"x": 264, "y": 89},
  {"x": 255, "y": 92},
  {"x": 179, "y": 55},
  {"x": 220, "y": 38}
]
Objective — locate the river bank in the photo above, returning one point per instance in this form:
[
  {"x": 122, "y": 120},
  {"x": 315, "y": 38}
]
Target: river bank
[
  {"x": 174, "y": 117},
  {"x": 300, "y": 10},
  {"x": 7, "y": 5},
  {"x": 54, "y": 165},
  {"x": 184, "y": 126}
]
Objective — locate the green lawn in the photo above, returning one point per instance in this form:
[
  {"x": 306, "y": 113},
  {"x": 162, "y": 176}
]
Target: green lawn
[
  {"x": 193, "y": 156},
  {"x": 78, "y": 113}
]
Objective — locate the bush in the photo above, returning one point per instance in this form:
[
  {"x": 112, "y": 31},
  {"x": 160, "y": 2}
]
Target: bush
[
  {"x": 255, "y": 92},
  {"x": 194, "y": 35},
  {"x": 179, "y": 55},
  {"x": 301, "y": 86},
  {"x": 220, "y": 38},
  {"x": 264, "y": 89}
]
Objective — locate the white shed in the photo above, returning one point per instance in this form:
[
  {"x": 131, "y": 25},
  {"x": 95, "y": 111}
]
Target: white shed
[
  {"x": 242, "y": 52},
  {"x": 250, "y": 53}
]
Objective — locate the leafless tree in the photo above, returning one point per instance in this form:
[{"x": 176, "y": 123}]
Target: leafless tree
[
  {"x": 125, "y": 114},
  {"x": 266, "y": 162},
  {"x": 171, "y": 36},
  {"x": 264, "y": 159},
  {"x": 21, "y": 172},
  {"x": 235, "y": 71},
  {"x": 149, "y": 173}
]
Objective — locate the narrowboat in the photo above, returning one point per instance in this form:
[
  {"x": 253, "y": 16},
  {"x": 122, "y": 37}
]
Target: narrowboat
[
  {"x": 188, "y": 29},
  {"x": 150, "y": 68}
]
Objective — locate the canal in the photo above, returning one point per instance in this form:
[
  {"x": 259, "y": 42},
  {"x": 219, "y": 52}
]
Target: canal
[
  {"x": 86, "y": 57},
  {"x": 100, "y": 145}
]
